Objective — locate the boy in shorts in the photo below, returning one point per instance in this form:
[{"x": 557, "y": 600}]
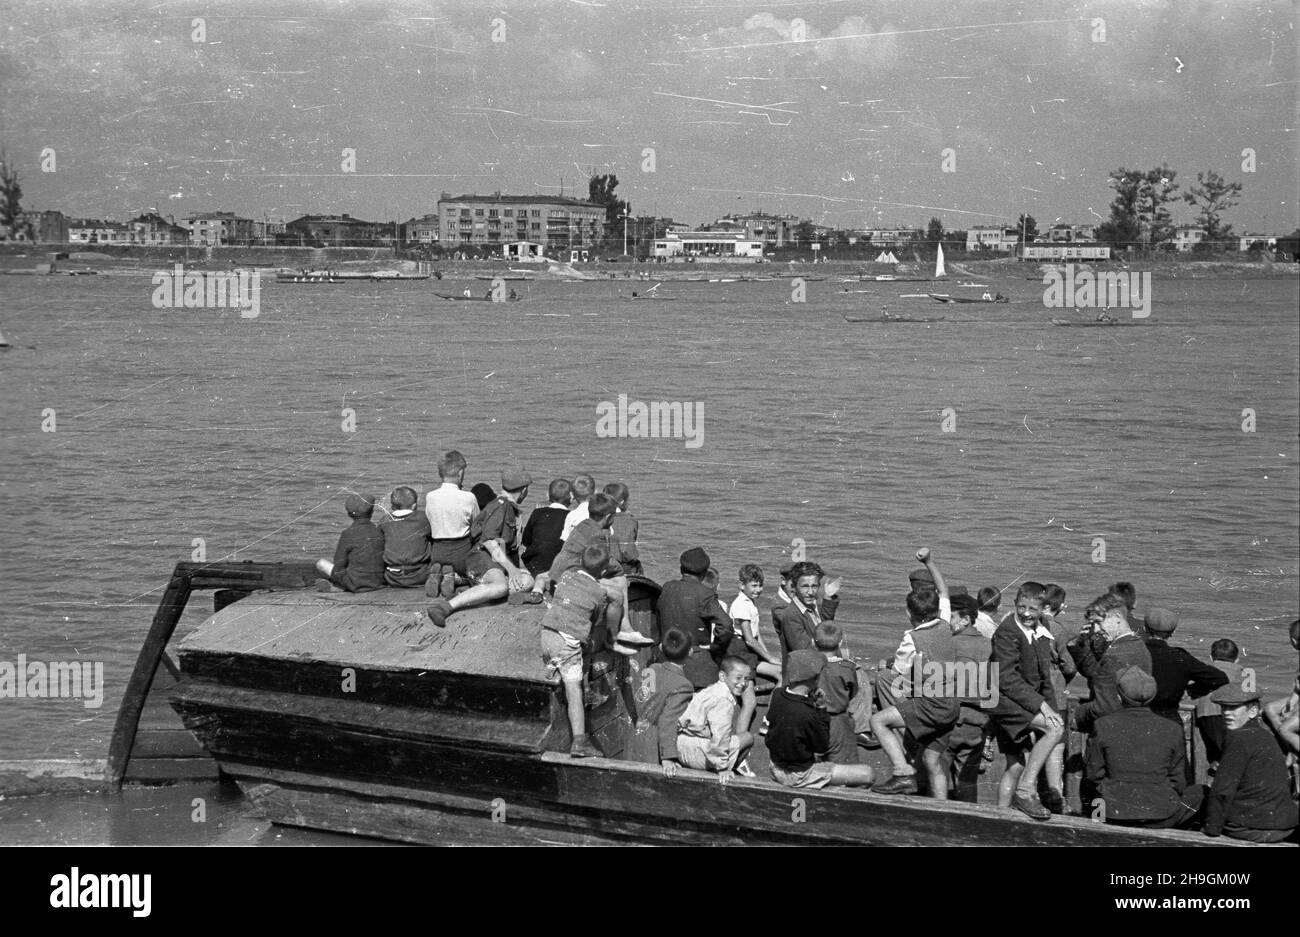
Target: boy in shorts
[
  {"x": 579, "y": 605},
  {"x": 450, "y": 511},
  {"x": 798, "y": 736},
  {"x": 707, "y": 739}
]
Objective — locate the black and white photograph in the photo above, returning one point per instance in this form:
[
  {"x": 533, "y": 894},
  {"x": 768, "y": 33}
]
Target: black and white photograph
[{"x": 552, "y": 423}]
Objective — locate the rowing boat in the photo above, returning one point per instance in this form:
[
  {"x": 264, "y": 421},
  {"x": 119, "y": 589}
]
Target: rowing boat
[
  {"x": 1066, "y": 323},
  {"x": 892, "y": 319},
  {"x": 942, "y": 298},
  {"x": 475, "y": 299}
]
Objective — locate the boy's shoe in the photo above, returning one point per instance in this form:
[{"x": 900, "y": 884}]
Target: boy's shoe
[
  {"x": 438, "y": 611},
  {"x": 898, "y": 784},
  {"x": 433, "y": 584},
  {"x": 582, "y": 748},
  {"x": 625, "y": 649},
  {"x": 448, "y": 586},
  {"x": 1030, "y": 806},
  {"x": 635, "y": 638},
  {"x": 324, "y": 585},
  {"x": 868, "y": 741},
  {"x": 530, "y": 598},
  {"x": 1053, "y": 801},
  {"x": 744, "y": 770}
]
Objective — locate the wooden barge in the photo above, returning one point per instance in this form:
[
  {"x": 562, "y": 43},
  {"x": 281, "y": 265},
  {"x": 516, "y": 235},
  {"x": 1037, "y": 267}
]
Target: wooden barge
[{"x": 331, "y": 713}]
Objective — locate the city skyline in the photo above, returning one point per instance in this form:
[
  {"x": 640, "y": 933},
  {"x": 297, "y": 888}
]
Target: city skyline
[{"x": 971, "y": 114}]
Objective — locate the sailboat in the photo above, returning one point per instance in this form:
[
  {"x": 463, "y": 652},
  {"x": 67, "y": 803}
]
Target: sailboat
[{"x": 939, "y": 271}]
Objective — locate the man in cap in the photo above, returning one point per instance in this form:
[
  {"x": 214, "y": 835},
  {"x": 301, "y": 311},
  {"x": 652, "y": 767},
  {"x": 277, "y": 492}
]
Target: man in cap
[
  {"x": 1174, "y": 669},
  {"x": 492, "y": 564},
  {"x": 359, "y": 557},
  {"x": 691, "y": 606},
  {"x": 1251, "y": 798},
  {"x": 1107, "y": 626},
  {"x": 1137, "y": 762},
  {"x": 799, "y": 737}
]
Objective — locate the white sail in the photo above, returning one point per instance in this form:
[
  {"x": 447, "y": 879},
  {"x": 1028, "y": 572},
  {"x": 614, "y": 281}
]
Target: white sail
[{"x": 939, "y": 271}]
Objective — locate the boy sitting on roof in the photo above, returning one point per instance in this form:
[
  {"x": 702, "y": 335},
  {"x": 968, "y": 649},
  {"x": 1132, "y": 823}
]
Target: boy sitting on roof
[
  {"x": 798, "y": 736},
  {"x": 359, "y": 557},
  {"x": 580, "y": 604},
  {"x": 406, "y": 541},
  {"x": 491, "y": 562}
]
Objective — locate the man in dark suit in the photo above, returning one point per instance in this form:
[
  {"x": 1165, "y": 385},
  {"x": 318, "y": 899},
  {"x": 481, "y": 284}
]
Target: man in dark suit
[
  {"x": 692, "y": 607},
  {"x": 1137, "y": 762},
  {"x": 1175, "y": 671},
  {"x": 1102, "y": 652},
  {"x": 797, "y": 622},
  {"x": 1251, "y": 796}
]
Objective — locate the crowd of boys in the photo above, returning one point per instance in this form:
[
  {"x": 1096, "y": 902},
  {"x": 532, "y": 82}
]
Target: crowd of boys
[{"x": 962, "y": 682}]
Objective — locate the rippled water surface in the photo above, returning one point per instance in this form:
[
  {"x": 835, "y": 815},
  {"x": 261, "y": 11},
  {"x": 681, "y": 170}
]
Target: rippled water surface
[{"x": 181, "y": 424}]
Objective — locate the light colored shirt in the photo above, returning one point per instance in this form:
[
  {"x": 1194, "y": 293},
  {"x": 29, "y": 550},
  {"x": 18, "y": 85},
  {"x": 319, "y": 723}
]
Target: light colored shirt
[
  {"x": 450, "y": 511},
  {"x": 711, "y": 715},
  {"x": 985, "y": 625},
  {"x": 744, "y": 609},
  {"x": 1034, "y": 632},
  {"x": 576, "y": 517}
]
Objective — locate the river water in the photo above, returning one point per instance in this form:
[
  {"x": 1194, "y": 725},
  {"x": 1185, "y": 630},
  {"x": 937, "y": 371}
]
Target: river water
[{"x": 175, "y": 426}]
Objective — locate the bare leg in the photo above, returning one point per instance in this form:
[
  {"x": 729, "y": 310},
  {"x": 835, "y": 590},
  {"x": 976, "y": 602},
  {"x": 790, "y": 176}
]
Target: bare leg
[
  {"x": 852, "y": 775},
  {"x": 884, "y": 724},
  {"x": 938, "y": 772},
  {"x": 493, "y": 586},
  {"x": 573, "y": 701},
  {"x": 1028, "y": 785},
  {"x": 1055, "y": 768},
  {"x": 1010, "y": 778}
]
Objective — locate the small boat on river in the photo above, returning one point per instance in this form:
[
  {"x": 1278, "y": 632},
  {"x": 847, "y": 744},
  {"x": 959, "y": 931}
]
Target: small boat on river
[{"x": 1101, "y": 323}]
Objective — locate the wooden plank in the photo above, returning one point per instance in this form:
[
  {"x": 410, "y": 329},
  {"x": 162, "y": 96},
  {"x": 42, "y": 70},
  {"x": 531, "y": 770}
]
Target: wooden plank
[
  {"x": 167, "y": 770},
  {"x": 168, "y": 613}
]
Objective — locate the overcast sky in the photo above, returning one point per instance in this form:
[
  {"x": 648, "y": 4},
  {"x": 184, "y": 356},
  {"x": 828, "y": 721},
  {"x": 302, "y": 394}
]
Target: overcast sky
[{"x": 848, "y": 126}]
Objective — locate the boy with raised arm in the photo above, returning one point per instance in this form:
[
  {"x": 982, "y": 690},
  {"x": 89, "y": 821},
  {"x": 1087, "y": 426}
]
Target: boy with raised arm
[{"x": 928, "y": 711}]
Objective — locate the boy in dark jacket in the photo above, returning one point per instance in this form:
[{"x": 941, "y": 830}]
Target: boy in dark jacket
[
  {"x": 1251, "y": 798},
  {"x": 664, "y": 694},
  {"x": 406, "y": 541},
  {"x": 542, "y": 541},
  {"x": 359, "y": 557}
]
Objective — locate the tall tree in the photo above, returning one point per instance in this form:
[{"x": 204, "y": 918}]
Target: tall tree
[
  {"x": 805, "y": 233},
  {"x": 1158, "y": 189},
  {"x": 1123, "y": 228},
  {"x": 1028, "y": 228},
  {"x": 934, "y": 233},
  {"x": 11, "y": 194},
  {"x": 1213, "y": 195},
  {"x": 600, "y": 190}
]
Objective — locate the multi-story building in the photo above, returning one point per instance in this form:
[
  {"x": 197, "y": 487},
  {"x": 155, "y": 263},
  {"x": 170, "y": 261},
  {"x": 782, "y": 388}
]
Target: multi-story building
[
  {"x": 992, "y": 238},
  {"x": 422, "y": 230},
  {"x": 218, "y": 228},
  {"x": 337, "y": 231},
  {"x": 772, "y": 230},
  {"x": 557, "y": 222},
  {"x": 95, "y": 231},
  {"x": 48, "y": 227},
  {"x": 152, "y": 228},
  {"x": 707, "y": 244},
  {"x": 889, "y": 237},
  {"x": 1186, "y": 236},
  {"x": 267, "y": 232}
]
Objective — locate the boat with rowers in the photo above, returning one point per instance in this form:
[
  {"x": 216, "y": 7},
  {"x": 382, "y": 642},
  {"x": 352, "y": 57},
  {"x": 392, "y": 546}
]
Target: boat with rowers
[
  {"x": 986, "y": 298},
  {"x": 887, "y": 318},
  {"x": 1102, "y": 323},
  {"x": 478, "y": 299},
  {"x": 336, "y": 276},
  {"x": 331, "y": 713}
]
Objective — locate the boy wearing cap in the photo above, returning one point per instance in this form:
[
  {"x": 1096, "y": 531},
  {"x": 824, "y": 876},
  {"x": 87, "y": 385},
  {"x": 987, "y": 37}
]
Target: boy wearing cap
[
  {"x": 1251, "y": 797},
  {"x": 707, "y": 738},
  {"x": 1138, "y": 763},
  {"x": 692, "y": 607},
  {"x": 541, "y": 537},
  {"x": 665, "y": 693},
  {"x": 450, "y": 511},
  {"x": 798, "y": 736},
  {"x": 490, "y": 564},
  {"x": 359, "y": 557},
  {"x": 406, "y": 541},
  {"x": 580, "y": 604},
  {"x": 1175, "y": 670}
]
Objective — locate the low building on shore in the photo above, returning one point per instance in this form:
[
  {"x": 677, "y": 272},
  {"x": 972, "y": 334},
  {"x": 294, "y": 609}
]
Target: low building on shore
[{"x": 707, "y": 244}]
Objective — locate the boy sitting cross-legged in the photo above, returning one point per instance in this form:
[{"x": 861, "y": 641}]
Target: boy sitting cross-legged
[
  {"x": 707, "y": 739},
  {"x": 406, "y": 541},
  {"x": 580, "y": 604},
  {"x": 798, "y": 736}
]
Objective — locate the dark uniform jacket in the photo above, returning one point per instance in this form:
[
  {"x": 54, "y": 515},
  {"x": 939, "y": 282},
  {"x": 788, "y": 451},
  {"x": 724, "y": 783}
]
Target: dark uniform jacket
[
  {"x": 1024, "y": 670},
  {"x": 660, "y": 709},
  {"x": 1103, "y": 673},
  {"x": 542, "y": 542},
  {"x": 1251, "y": 789},
  {"x": 1138, "y": 762},
  {"x": 359, "y": 557},
  {"x": 1175, "y": 672},
  {"x": 693, "y": 608}
]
